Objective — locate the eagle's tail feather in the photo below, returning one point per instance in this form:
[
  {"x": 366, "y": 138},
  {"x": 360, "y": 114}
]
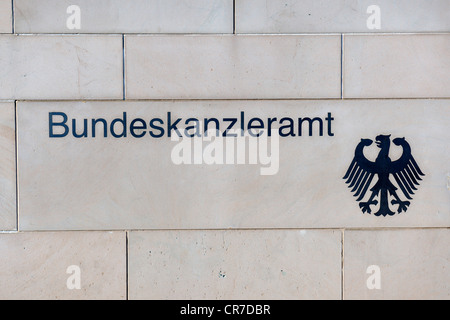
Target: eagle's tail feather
[
  {"x": 366, "y": 186},
  {"x": 361, "y": 184},
  {"x": 402, "y": 187},
  {"x": 347, "y": 174},
  {"x": 359, "y": 171},
  {"x": 415, "y": 168}
]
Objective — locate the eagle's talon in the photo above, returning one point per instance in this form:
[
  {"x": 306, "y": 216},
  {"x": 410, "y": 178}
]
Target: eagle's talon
[
  {"x": 365, "y": 206},
  {"x": 402, "y": 205}
]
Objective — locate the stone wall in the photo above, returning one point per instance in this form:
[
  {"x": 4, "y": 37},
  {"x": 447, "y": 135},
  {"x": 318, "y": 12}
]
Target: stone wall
[{"x": 100, "y": 197}]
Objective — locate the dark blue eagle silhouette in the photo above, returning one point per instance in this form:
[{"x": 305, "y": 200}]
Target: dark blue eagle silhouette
[{"x": 405, "y": 171}]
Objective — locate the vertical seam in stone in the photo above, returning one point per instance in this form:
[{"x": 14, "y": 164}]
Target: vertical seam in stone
[
  {"x": 234, "y": 16},
  {"x": 342, "y": 264},
  {"x": 12, "y": 15},
  {"x": 126, "y": 265},
  {"x": 123, "y": 67},
  {"x": 342, "y": 66},
  {"x": 16, "y": 163}
]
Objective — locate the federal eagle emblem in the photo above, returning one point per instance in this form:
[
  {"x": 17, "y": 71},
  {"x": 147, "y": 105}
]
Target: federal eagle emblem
[{"x": 404, "y": 170}]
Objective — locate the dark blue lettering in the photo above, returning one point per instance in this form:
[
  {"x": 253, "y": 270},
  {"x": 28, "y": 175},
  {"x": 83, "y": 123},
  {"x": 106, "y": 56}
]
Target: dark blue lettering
[
  {"x": 161, "y": 129},
  {"x": 133, "y": 126},
  {"x": 52, "y": 124},
  {"x": 122, "y": 121}
]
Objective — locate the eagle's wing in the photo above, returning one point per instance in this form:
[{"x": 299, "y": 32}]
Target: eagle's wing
[
  {"x": 405, "y": 170},
  {"x": 361, "y": 171}
]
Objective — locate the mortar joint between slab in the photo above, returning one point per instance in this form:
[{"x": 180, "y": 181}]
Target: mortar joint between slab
[
  {"x": 342, "y": 263},
  {"x": 123, "y": 68},
  {"x": 342, "y": 66},
  {"x": 12, "y": 17},
  {"x": 16, "y": 163},
  {"x": 368, "y": 229},
  {"x": 126, "y": 265},
  {"x": 234, "y": 16}
]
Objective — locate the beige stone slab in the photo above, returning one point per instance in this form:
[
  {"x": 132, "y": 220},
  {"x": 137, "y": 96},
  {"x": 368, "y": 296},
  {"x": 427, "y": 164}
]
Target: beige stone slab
[
  {"x": 5, "y": 16},
  {"x": 117, "y": 16},
  {"x": 248, "y": 264},
  {"x": 133, "y": 183},
  {"x": 300, "y": 16},
  {"x": 396, "y": 66},
  {"x": 40, "y": 265},
  {"x": 43, "y": 67},
  {"x": 232, "y": 67},
  {"x": 412, "y": 264},
  {"x": 7, "y": 167}
]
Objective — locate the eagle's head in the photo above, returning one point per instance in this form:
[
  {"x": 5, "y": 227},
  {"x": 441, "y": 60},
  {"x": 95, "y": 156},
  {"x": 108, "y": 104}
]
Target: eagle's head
[{"x": 382, "y": 141}]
